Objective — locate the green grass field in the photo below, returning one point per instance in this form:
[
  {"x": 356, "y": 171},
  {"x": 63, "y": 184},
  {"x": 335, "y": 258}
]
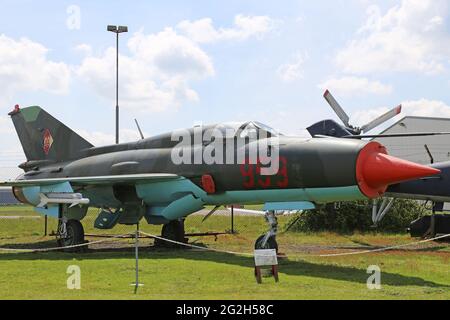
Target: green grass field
[{"x": 418, "y": 272}]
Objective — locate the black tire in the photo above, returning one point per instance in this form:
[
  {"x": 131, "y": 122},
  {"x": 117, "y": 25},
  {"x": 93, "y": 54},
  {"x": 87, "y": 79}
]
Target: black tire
[
  {"x": 174, "y": 230},
  {"x": 75, "y": 236},
  {"x": 270, "y": 244}
]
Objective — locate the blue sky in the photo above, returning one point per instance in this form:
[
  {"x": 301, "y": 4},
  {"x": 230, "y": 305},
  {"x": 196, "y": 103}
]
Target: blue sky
[{"x": 185, "y": 62}]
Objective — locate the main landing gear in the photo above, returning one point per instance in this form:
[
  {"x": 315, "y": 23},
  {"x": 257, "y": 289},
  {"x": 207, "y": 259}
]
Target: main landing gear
[
  {"x": 268, "y": 240},
  {"x": 174, "y": 230},
  {"x": 70, "y": 233}
]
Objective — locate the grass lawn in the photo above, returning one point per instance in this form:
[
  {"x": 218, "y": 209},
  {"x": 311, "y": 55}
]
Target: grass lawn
[{"x": 420, "y": 272}]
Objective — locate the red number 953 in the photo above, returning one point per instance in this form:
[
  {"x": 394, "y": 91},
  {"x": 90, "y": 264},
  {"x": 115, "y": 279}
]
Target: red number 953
[{"x": 253, "y": 178}]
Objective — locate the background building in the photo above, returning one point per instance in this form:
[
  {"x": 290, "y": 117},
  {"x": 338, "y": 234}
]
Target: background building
[
  {"x": 413, "y": 148},
  {"x": 7, "y": 197}
]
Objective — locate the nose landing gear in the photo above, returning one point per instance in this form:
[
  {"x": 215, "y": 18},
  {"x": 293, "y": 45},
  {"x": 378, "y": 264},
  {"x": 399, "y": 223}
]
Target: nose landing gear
[{"x": 268, "y": 240}]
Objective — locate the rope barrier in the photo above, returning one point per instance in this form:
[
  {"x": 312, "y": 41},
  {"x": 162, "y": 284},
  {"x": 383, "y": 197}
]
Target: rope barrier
[
  {"x": 305, "y": 255},
  {"x": 384, "y": 248},
  {"x": 222, "y": 251},
  {"x": 194, "y": 246},
  {"x": 62, "y": 248}
]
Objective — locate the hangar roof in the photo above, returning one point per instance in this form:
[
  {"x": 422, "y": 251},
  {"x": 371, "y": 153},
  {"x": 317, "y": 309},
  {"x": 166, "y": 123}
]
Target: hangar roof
[
  {"x": 413, "y": 148},
  {"x": 407, "y": 118}
]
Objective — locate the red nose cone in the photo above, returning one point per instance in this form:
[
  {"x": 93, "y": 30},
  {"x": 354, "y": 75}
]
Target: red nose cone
[{"x": 375, "y": 170}]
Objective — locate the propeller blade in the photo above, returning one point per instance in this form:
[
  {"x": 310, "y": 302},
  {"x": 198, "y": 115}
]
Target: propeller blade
[
  {"x": 337, "y": 108},
  {"x": 397, "y": 135},
  {"x": 381, "y": 119}
]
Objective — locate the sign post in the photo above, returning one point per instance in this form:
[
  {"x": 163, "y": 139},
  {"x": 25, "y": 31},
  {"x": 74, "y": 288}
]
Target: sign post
[{"x": 266, "y": 257}]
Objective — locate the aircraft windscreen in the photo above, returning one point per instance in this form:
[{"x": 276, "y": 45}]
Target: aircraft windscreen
[
  {"x": 249, "y": 128},
  {"x": 257, "y": 130},
  {"x": 266, "y": 128}
]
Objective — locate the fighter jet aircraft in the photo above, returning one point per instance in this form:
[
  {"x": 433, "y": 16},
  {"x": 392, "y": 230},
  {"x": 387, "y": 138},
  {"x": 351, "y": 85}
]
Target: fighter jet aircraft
[{"x": 165, "y": 178}]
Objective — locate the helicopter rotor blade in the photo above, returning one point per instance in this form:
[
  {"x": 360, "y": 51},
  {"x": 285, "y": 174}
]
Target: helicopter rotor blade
[
  {"x": 381, "y": 119},
  {"x": 337, "y": 108}
]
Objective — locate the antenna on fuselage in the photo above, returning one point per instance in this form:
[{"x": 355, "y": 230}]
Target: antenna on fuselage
[
  {"x": 429, "y": 154},
  {"x": 139, "y": 129}
]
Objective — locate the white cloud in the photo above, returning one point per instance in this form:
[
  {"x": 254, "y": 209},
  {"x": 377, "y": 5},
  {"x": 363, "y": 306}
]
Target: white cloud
[
  {"x": 84, "y": 49},
  {"x": 421, "y": 107},
  {"x": 361, "y": 117},
  {"x": 426, "y": 108},
  {"x": 6, "y": 125},
  {"x": 409, "y": 37},
  {"x": 24, "y": 66},
  {"x": 203, "y": 31},
  {"x": 155, "y": 76},
  {"x": 98, "y": 138},
  {"x": 11, "y": 151},
  {"x": 292, "y": 71},
  {"x": 433, "y": 23},
  {"x": 347, "y": 86}
]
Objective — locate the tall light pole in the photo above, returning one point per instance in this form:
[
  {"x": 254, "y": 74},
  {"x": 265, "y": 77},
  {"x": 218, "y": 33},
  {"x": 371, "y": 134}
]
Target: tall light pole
[{"x": 117, "y": 30}]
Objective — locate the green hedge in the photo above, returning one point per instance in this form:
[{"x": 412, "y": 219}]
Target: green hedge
[{"x": 357, "y": 216}]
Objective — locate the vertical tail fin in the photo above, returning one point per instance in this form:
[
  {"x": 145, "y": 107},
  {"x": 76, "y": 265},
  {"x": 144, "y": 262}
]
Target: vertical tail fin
[{"x": 45, "y": 138}]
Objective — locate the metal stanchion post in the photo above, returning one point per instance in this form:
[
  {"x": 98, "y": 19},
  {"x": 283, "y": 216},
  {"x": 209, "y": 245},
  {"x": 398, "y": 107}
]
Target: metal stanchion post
[
  {"x": 136, "y": 255},
  {"x": 232, "y": 219},
  {"x": 45, "y": 225}
]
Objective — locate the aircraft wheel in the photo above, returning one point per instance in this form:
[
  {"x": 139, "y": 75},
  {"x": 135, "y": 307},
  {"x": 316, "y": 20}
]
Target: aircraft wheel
[
  {"x": 270, "y": 244},
  {"x": 74, "y": 236},
  {"x": 174, "y": 230}
]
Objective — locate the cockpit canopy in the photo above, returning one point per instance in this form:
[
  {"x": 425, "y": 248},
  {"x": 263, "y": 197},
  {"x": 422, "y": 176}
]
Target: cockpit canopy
[
  {"x": 228, "y": 130},
  {"x": 246, "y": 129}
]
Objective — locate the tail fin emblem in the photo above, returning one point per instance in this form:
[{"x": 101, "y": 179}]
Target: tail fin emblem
[{"x": 48, "y": 141}]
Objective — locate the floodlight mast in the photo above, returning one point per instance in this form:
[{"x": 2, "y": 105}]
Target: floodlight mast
[{"x": 117, "y": 30}]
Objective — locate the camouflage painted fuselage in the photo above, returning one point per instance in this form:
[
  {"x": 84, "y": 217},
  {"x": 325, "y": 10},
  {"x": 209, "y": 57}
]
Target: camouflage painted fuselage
[
  {"x": 312, "y": 170},
  {"x": 316, "y": 170}
]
